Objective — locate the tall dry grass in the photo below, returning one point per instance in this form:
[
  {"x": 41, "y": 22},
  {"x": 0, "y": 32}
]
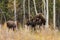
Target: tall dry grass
[{"x": 28, "y": 34}]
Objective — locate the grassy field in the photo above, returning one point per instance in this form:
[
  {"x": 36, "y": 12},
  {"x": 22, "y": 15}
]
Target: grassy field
[{"x": 27, "y": 34}]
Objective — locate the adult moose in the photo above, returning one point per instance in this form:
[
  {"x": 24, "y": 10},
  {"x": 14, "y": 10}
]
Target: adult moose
[{"x": 36, "y": 20}]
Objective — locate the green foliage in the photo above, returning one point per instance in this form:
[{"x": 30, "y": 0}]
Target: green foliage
[{"x": 7, "y": 7}]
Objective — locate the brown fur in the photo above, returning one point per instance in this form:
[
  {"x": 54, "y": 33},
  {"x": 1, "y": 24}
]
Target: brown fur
[
  {"x": 36, "y": 20},
  {"x": 11, "y": 24}
]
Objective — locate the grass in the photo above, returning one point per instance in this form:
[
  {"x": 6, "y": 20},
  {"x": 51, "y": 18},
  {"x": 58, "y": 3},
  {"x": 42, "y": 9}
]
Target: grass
[{"x": 28, "y": 34}]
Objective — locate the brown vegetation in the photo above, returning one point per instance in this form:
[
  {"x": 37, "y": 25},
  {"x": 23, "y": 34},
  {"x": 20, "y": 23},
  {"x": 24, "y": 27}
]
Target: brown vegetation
[{"x": 27, "y": 34}]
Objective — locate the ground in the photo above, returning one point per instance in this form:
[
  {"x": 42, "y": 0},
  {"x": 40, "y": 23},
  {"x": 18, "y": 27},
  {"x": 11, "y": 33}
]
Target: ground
[{"x": 27, "y": 34}]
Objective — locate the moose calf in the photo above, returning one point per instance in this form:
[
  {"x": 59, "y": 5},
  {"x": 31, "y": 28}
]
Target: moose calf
[{"x": 11, "y": 24}]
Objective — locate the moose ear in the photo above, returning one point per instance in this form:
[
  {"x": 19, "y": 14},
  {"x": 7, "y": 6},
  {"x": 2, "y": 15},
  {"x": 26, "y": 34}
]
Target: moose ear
[{"x": 42, "y": 15}]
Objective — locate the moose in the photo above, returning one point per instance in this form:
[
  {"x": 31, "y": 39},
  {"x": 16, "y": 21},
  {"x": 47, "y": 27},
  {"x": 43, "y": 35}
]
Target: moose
[
  {"x": 11, "y": 24},
  {"x": 36, "y": 20}
]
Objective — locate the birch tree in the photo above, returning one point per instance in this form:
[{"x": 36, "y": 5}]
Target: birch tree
[
  {"x": 44, "y": 8},
  {"x": 35, "y": 6},
  {"x": 23, "y": 12},
  {"x": 47, "y": 15},
  {"x": 15, "y": 10},
  {"x": 29, "y": 8},
  {"x": 54, "y": 14}
]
